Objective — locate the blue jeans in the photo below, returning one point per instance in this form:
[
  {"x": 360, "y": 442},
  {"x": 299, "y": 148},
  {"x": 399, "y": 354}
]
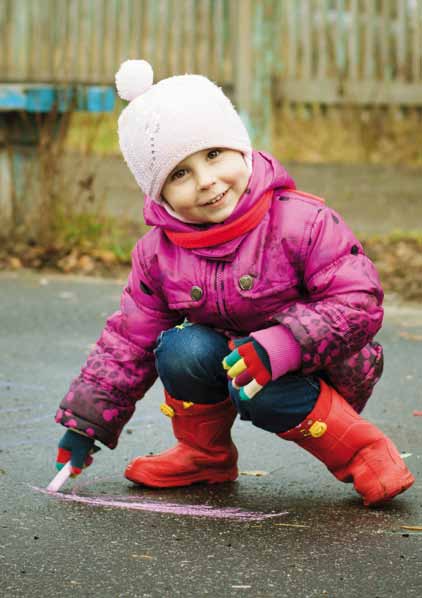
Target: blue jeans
[{"x": 189, "y": 363}]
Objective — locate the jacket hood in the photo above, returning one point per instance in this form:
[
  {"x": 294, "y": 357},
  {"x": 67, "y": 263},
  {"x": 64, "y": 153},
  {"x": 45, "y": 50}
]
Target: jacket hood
[{"x": 267, "y": 174}]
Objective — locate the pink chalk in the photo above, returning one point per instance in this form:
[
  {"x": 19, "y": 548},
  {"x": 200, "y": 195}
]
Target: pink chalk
[
  {"x": 165, "y": 508},
  {"x": 62, "y": 477}
]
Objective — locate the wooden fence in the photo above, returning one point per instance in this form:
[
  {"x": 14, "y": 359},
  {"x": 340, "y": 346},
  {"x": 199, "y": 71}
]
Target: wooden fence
[
  {"x": 84, "y": 41},
  {"x": 323, "y": 49},
  {"x": 355, "y": 51},
  {"x": 316, "y": 51}
]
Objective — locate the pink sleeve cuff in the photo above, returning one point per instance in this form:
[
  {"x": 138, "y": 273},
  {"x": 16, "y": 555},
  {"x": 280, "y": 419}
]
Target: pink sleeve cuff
[{"x": 283, "y": 349}]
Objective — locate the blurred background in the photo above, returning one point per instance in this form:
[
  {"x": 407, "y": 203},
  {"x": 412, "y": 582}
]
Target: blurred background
[{"x": 333, "y": 88}]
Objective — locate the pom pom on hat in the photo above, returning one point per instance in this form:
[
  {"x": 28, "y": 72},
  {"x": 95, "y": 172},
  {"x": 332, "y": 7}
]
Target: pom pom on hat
[{"x": 134, "y": 78}]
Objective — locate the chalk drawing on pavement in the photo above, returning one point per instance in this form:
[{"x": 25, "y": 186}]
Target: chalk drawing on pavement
[{"x": 135, "y": 504}]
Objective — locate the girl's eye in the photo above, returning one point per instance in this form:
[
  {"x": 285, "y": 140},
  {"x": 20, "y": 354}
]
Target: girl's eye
[
  {"x": 178, "y": 174},
  {"x": 214, "y": 153}
]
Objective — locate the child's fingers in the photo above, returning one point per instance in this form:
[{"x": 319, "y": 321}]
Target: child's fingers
[
  {"x": 248, "y": 392},
  {"x": 238, "y": 368},
  {"x": 63, "y": 456},
  {"x": 80, "y": 458},
  {"x": 78, "y": 470},
  {"x": 243, "y": 379},
  {"x": 230, "y": 359}
]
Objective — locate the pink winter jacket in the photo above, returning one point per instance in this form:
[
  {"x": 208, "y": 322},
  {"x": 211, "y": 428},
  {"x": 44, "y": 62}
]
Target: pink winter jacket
[{"x": 306, "y": 276}]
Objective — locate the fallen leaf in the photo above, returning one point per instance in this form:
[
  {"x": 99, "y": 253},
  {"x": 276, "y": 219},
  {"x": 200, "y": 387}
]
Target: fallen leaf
[
  {"x": 411, "y": 337},
  {"x": 413, "y": 528},
  {"x": 69, "y": 262},
  {"x": 14, "y": 263},
  {"x": 105, "y": 256},
  {"x": 256, "y": 473},
  {"x": 86, "y": 264},
  {"x": 141, "y": 556},
  {"x": 417, "y": 413}
]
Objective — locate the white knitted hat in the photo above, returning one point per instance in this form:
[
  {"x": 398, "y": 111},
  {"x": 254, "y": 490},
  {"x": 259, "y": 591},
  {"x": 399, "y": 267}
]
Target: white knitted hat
[{"x": 166, "y": 122}]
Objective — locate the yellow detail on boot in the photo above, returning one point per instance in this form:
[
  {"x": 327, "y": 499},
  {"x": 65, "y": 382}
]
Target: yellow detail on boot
[
  {"x": 318, "y": 429},
  {"x": 187, "y": 404},
  {"x": 167, "y": 410}
]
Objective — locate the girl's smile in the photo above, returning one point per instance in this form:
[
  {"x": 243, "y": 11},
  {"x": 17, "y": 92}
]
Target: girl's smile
[
  {"x": 207, "y": 185},
  {"x": 217, "y": 200}
]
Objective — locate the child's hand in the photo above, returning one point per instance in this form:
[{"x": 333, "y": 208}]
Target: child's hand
[
  {"x": 248, "y": 366},
  {"x": 75, "y": 448}
]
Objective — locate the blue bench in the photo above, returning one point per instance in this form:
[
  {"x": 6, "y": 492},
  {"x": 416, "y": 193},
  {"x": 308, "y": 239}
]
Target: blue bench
[
  {"x": 23, "y": 109},
  {"x": 45, "y": 98}
]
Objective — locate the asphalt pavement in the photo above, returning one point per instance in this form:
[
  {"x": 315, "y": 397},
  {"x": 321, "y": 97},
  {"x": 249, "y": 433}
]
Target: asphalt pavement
[{"x": 291, "y": 531}]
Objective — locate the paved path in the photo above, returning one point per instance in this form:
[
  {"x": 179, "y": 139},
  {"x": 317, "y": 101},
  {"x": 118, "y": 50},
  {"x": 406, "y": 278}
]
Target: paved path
[{"x": 325, "y": 546}]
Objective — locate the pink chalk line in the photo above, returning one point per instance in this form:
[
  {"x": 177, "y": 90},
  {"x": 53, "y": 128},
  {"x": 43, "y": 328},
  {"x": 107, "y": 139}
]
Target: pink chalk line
[{"x": 159, "y": 507}]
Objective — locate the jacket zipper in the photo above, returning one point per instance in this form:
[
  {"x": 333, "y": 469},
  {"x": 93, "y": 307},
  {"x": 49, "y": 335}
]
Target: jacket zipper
[
  {"x": 218, "y": 283},
  {"x": 219, "y": 289}
]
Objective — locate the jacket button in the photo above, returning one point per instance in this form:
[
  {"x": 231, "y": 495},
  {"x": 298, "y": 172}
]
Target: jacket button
[
  {"x": 196, "y": 293},
  {"x": 246, "y": 282}
]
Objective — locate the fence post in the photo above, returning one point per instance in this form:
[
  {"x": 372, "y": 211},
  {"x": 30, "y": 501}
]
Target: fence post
[
  {"x": 253, "y": 69},
  {"x": 243, "y": 61}
]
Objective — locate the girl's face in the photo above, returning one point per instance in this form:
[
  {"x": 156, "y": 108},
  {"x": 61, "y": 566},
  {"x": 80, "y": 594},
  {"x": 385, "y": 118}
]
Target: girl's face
[{"x": 206, "y": 186}]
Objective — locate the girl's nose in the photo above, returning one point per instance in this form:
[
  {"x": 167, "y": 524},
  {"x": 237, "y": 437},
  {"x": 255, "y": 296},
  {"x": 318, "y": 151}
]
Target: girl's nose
[{"x": 205, "y": 180}]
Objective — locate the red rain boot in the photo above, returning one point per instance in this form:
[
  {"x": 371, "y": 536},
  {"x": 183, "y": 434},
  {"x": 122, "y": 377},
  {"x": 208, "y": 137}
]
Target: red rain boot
[
  {"x": 353, "y": 449},
  {"x": 205, "y": 451}
]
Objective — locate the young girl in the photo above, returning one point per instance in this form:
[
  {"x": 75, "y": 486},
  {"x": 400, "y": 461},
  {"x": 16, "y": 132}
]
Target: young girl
[{"x": 246, "y": 296}]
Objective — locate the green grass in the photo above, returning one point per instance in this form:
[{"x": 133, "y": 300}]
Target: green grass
[
  {"x": 90, "y": 233},
  {"x": 351, "y": 135},
  {"x": 394, "y": 238},
  {"x": 93, "y": 134}
]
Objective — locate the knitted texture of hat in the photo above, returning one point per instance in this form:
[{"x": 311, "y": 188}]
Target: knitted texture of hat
[{"x": 166, "y": 122}]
